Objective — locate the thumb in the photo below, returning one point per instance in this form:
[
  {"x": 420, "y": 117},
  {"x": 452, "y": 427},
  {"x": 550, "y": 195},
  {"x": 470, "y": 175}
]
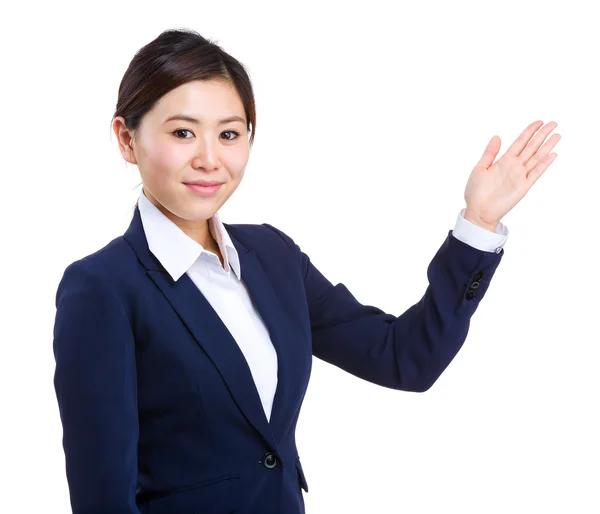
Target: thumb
[{"x": 490, "y": 153}]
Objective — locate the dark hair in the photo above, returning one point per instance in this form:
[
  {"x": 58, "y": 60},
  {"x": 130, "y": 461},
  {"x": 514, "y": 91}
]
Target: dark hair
[{"x": 175, "y": 57}]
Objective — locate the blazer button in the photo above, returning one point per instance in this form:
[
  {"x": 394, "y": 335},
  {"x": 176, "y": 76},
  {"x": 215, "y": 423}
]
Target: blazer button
[
  {"x": 478, "y": 276},
  {"x": 474, "y": 285},
  {"x": 270, "y": 460},
  {"x": 470, "y": 294}
]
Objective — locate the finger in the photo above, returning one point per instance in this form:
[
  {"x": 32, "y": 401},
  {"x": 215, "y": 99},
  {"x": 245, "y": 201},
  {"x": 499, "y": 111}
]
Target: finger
[
  {"x": 517, "y": 147},
  {"x": 542, "y": 152},
  {"x": 536, "y": 142},
  {"x": 538, "y": 171},
  {"x": 490, "y": 152}
]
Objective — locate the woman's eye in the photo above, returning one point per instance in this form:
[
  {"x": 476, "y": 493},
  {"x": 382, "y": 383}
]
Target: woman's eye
[
  {"x": 181, "y": 130},
  {"x": 231, "y": 132}
]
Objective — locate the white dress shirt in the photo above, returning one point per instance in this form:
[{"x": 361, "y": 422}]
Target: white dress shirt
[{"x": 223, "y": 288}]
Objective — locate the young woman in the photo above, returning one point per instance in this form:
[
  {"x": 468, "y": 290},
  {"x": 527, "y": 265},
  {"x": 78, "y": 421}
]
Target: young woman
[{"x": 183, "y": 347}]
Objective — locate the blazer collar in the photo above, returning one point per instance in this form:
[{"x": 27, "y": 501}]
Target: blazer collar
[
  {"x": 213, "y": 336},
  {"x": 175, "y": 250}
]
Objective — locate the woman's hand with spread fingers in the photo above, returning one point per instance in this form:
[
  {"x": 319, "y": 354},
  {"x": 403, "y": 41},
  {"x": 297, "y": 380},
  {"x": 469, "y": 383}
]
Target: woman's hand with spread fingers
[{"x": 494, "y": 188}]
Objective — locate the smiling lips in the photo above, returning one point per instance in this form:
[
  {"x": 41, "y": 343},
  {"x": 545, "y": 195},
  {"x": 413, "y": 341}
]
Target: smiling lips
[
  {"x": 204, "y": 187},
  {"x": 204, "y": 182}
]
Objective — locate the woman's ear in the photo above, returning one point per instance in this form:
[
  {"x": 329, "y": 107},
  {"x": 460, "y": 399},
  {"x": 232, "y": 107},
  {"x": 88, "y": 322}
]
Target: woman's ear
[{"x": 125, "y": 139}]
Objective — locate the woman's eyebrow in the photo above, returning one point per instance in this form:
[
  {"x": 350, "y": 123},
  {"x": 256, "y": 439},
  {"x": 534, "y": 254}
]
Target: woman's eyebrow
[{"x": 191, "y": 119}]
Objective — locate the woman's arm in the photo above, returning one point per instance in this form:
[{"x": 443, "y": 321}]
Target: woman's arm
[
  {"x": 96, "y": 388},
  {"x": 408, "y": 352}
]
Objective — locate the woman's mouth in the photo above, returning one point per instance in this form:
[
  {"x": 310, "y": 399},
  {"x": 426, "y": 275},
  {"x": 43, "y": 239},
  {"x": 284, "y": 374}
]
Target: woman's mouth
[{"x": 204, "y": 190}]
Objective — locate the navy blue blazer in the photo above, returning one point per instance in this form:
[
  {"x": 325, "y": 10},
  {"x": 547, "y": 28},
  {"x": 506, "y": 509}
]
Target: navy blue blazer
[{"x": 159, "y": 409}]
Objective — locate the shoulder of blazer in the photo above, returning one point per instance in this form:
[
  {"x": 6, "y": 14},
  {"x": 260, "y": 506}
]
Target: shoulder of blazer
[
  {"x": 259, "y": 236},
  {"x": 115, "y": 264},
  {"x": 269, "y": 243}
]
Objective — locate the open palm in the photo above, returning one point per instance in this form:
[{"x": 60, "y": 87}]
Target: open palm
[{"x": 494, "y": 188}]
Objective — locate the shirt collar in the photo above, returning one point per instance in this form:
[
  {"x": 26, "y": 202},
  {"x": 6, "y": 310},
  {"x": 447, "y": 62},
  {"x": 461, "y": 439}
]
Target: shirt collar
[{"x": 174, "y": 249}]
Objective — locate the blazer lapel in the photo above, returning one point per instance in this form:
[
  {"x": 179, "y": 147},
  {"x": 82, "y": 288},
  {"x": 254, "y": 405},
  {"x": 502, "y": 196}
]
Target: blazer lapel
[
  {"x": 278, "y": 324},
  {"x": 213, "y": 336},
  {"x": 218, "y": 343}
]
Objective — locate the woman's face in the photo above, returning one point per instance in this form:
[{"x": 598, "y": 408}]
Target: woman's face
[{"x": 172, "y": 152}]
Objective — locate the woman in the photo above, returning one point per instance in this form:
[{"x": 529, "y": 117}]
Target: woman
[{"x": 183, "y": 347}]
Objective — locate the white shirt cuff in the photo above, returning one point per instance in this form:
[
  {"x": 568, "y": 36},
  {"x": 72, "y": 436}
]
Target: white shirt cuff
[{"x": 479, "y": 237}]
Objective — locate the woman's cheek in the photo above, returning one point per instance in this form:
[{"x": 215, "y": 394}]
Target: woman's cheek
[
  {"x": 237, "y": 164},
  {"x": 167, "y": 156}
]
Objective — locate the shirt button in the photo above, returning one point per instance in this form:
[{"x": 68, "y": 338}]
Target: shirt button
[
  {"x": 498, "y": 250},
  {"x": 270, "y": 460}
]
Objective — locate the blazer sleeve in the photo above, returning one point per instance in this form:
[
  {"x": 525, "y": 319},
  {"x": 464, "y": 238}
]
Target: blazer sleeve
[
  {"x": 407, "y": 352},
  {"x": 96, "y": 389}
]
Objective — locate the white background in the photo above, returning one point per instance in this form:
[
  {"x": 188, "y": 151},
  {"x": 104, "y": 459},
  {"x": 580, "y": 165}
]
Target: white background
[{"x": 370, "y": 118}]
